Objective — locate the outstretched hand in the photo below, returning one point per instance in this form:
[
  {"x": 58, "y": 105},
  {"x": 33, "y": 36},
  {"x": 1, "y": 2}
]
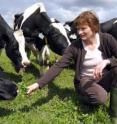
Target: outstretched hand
[{"x": 32, "y": 88}]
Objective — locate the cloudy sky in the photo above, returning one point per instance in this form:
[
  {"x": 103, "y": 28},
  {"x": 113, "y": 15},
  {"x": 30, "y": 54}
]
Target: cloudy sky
[{"x": 63, "y": 10}]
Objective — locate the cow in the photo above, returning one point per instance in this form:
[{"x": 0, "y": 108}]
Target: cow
[
  {"x": 8, "y": 89},
  {"x": 109, "y": 26},
  {"x": 34, "y": 21},
  {"x": 71, "y": 30},
  {"x": 9, "y": 42}
]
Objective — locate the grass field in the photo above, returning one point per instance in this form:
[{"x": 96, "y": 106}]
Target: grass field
[{"x": 56, "y": 103}]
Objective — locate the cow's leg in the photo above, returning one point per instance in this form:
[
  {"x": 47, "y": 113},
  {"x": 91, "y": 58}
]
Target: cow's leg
[
  {"x": 31, "y": 48},
  {"x": 44, "y": 56},
  {"x": 1, "y": 69},
  {"x": 28, "y": 52},
  {"x": 56, "y": 57},
  {"x": 0, "y": 51}
]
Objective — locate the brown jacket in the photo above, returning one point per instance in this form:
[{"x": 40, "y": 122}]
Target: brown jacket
[{"x": 76, "y": 52}]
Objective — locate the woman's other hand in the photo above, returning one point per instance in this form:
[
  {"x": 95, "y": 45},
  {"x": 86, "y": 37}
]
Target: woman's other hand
[{"x": 99, "y": 68}]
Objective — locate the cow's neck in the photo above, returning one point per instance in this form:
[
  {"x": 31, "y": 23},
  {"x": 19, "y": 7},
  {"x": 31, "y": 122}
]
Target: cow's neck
[{"x": 44, "y": 23}]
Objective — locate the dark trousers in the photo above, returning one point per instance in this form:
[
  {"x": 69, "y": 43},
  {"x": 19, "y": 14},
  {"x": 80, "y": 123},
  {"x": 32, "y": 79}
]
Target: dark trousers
[{"x": 95, "y": 92}]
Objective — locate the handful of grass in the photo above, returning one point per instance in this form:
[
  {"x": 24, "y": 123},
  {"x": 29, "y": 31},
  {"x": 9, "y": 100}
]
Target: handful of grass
[{"x": 23, "y": 88}]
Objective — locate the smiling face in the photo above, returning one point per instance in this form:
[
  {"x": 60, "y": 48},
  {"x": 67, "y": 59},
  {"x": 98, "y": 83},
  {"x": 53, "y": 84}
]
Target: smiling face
[
  {"x": 85, "y": 32},
  {"x": 87, "y": 24}
]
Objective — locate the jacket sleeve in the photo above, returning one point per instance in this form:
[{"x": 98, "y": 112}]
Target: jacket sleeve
[
  {"x": 57, "y": 67},
  {"x": 113, "y": 49}
]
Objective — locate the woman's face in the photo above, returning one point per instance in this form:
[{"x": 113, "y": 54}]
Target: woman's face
[{"x": 85, "y": 32}]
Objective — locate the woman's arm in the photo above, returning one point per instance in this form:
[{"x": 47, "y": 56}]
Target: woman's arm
[{"x": 53, "y": 71}]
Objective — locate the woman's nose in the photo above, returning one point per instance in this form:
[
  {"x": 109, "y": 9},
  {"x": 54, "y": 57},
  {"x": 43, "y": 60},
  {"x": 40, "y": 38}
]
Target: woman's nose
[{"x": 79, "y": 31}]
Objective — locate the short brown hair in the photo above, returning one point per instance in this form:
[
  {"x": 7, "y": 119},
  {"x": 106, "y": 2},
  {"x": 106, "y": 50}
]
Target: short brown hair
[{"x": 89, "y": 18}]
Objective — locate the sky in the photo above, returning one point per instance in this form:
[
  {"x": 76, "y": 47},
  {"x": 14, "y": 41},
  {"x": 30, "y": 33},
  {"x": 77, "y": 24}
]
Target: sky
[{"x": 62, "y": 10}]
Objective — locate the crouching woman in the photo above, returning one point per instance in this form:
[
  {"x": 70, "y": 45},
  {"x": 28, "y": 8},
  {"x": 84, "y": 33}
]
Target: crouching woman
[{"x": 95, "y": 58}]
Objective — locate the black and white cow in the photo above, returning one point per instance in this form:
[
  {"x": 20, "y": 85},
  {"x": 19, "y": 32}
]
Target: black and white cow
[
  {"x": 34, "y": 20},
  {"x": 8, "y": 89},
  {"x": 9, "y": 42},
  {"x": 110, "y": 27},
  {"x": 71, "y": 30}
]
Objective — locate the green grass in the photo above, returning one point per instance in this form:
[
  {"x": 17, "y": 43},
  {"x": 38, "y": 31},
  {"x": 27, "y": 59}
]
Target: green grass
[{"x": 56, "y": 103}]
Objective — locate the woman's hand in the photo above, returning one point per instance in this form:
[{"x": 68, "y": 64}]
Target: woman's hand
[
  {"x": 99, "y": 68},
  {"x": 32, "y": 88}
]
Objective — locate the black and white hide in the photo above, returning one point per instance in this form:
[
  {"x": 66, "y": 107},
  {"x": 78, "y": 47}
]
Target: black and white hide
[
  {"x": 34, "y": 21},
  {"x": 9, "y": 42},
  {"x": 8, "y": 89},
  {"x": 110, "y": 27},
  {"x": 71, "y": 30}
]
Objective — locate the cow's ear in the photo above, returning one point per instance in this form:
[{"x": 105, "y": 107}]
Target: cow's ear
[{"x": 17, "y": 15}]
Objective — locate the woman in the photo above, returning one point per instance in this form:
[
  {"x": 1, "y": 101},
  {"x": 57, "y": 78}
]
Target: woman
[{"x": 95, "y": 57}]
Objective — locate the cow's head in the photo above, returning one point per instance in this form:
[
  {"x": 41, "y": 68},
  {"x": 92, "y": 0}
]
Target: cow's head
[
  {"x": 12, "y": 51},
  {"x": 9, "y": 42},
  {"x": 24, "y": 24},
  {"x": 21, "y": 43},
  {"x": 19, "y": 35},
  {"x": 71, "y": 30},
  {"x": 15, "y": 51},
  {"x": 57, "y": 37},
  {"x": 8, "y": 89}
]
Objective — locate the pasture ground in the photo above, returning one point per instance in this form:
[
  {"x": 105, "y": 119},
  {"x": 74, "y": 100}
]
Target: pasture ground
[{"x": 56, "y": 103}]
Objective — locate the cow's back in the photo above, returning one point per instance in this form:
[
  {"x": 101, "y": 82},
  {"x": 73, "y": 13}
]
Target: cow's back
[{"x": 107, "y": 26}]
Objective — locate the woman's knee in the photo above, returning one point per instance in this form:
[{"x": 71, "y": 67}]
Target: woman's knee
[
  {"x": 95, "y": 98},
  {"x": 101, "y": 97}
]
